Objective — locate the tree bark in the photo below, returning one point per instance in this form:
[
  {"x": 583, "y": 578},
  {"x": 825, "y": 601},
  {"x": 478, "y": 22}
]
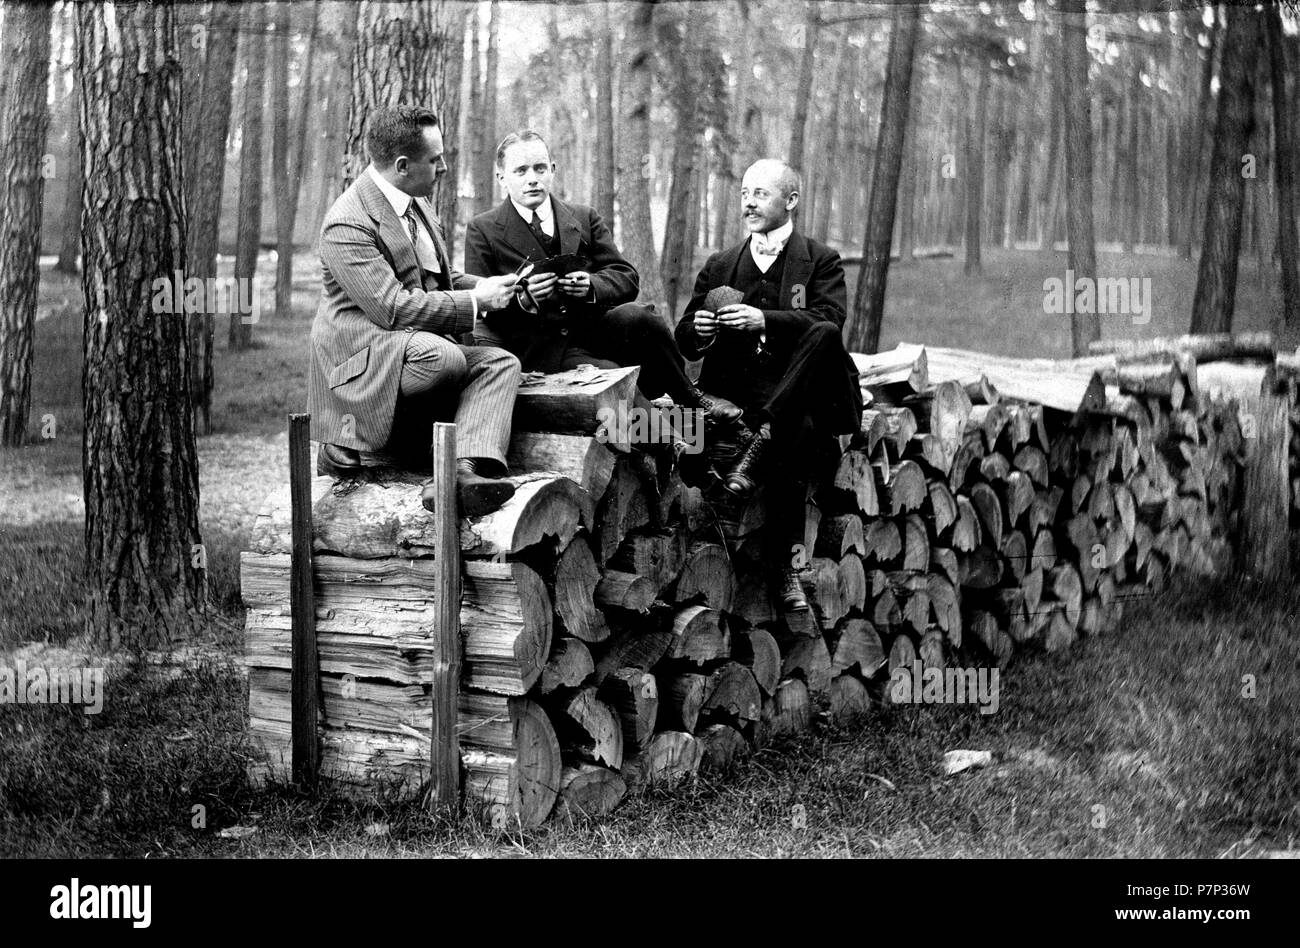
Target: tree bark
[
  {"x": 846, "y": 64},
  {"x": 70, "y": 239},
  {"x": 803, "y": 94},
  {"x": 27, "y": 118},
  {"x": 973, "y": 172},
  {"x": 1199, "y": 143},
  {"x": 634, "y": 155},
  {"x": 408, "y": 53},
  {"x": 485, "y": 189},
  {"x": 688, "y": 97},
  {"x": 1084, "y": 327},
  {"x": 249, "y": 229},
  {"x": 144, "y": 557},
  {"x": 605, "y": 118},
  {"x": 204, "y": 211},
  {"x": 289, "y": 156},
  {"x": 1216, "y": 280},
  {"x": 1284, "y": 168},
  {"x": 911, "y": 169},
  {"x": 869, "y": 298}
]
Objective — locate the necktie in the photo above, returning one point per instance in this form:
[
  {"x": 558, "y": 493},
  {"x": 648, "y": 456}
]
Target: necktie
[
  {"x": 421, "y": 256},
  {"x": 535, "y": 225},
  {"x": 765, "y": 248}
]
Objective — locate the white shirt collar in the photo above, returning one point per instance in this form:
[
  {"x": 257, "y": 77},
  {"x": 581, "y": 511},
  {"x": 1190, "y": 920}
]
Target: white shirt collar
[
  {"x": 545, "y": 212},
  {"x": 398, "y": 198},
  {"x": 774, "y": 241}
]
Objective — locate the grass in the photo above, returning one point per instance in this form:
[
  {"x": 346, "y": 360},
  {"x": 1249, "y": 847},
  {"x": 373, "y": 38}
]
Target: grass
[{"x": 1137, "y": 744}]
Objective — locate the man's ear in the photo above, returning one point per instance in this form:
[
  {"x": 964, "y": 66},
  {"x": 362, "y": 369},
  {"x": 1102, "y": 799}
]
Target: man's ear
[
  {"x": 792, "y": 201},
  {"x": 401, "y": 165}
]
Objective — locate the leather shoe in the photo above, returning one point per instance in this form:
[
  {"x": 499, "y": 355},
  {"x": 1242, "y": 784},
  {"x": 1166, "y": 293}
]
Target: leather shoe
[
  {"x": 476, "y": 495},
  {"x": 740, "y": 480},
  {"x": 717, "y": 410},
  {"x": 334, "y": 460},
  {"x": 791, "y": 593}
]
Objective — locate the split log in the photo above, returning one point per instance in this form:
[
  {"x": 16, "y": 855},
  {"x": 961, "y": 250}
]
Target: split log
[
  {"x": 946, "y": 604},
  {"x": 1033, "y": 462},
  {"x": 1205, "y": 347},
  {"x": 1067, "y": 588},
  {"x": 733, "y": 693},
  {"x": 673, "y": 756},
  {"x": 634, "y": 696},
  {"x": 1059, "y": 385},
  {"x": 839, "y": 535},
  {"x": 518, "y": 786},
  {"x": 853, "y": 581},
  {"x": 505, "y": 620},
  {"x": 989, "y": 509},
  {"x": 853, "y": 480},
  {"x": 916, "y": 543},
  {"x": 900, "y": 428},
  {"x": 758, "y": 651},
  {"x": 568, "y": 667},
  {"x": 591, "y": 729},
  {"x": 753, "y": 602},
  {"x": 827, "y": 591},
  {"x": 985, "y": 628},
  {"x": 945, "y": 562},
  {"x": 619, "y": 590},
  {"x": 722, "y": 746},
  {"x": 1015, "y": 550},
  {"x": 590, "y": 791},
  {"x": 1017, "y": 495},
  {"x": 789, "y": 711},
  {"x": 902, "y": 490},
  {"x": 658, "y": 557},
  {"x": 680, "y": 700},
  {"x": 636, "y": 641},
  {"x": 989, "y": 420},
  {"x": 624, "y": 507},
  {"x": 707, "y": 576},
  {"x": 931, "y": 650},
  {"x": 576, "y": 579},
  {"x": 850, "y": 699},
  {"x": 966, "y": 532},
  {"x": 870, "y": 431},
  {"x": 943, "y": 506},
  {"x": 883, "y": 541},
  {"x": 995, "y": 467},
  {"x": 585, "y": 461},
  {"x": 699, "y": 635},
  {"x": 857, "y": 644},
  {"x": 971, "y": 451},
  {"x": 899, "y": 370},
  {"x": 810, "y": 660},
  {"x": 578, "y": 401},
  {"x": 981, "y": 568}
]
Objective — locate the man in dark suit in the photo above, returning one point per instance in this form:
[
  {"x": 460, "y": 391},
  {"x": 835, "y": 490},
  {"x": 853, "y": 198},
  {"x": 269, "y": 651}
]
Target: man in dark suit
[
  {"x": 777, "y": 353},
  {"x": 391, "y": 309},
  {"x": 586, "y": 316}
]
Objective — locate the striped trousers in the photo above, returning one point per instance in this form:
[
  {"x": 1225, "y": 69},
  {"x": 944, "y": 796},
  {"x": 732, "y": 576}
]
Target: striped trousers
[{"x": 479, "y": 381}]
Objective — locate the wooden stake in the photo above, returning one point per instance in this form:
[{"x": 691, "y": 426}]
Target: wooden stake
[
  {"x": 444, "y": 749},
  {"x": 305, "y": 693}
]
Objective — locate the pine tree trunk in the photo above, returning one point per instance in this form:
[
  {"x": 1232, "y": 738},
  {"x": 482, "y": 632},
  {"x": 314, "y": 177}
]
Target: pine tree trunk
[
  {"x": 604, "y": 80},
  {"x": 633, "y": 149},
  {"x": 1084, "y": 327},
  {"x": 845, "y": 64},
  {"x": 485, "y": 189},
  {"x": 70, "y": 237},
  {"x": 249, "y": 229},
  {"x": 339, "y": 93},
  {"x": 1199, "y": 143},
  {"x": 1216, "y": 281},
  {"x": 973, "y": 172},
  {"x": 27, "y": 67},
  {"x": 205, "y": 210},
  {"x": 911, "y": 169},
  {"x": 803, "y": 96},
  {"x": 145, "y": 564},
  {"x": 1284, "y": 130},
  {"x": 869, "y": 298}
]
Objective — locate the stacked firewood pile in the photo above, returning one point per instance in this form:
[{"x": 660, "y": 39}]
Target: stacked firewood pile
[{"x": 616, "y": 624}]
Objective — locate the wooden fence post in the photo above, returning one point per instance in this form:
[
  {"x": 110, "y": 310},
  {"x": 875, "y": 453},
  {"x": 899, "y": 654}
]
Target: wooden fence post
[
  {"x": 444, "y": 750},
  {"x": 305, "y": 687}
]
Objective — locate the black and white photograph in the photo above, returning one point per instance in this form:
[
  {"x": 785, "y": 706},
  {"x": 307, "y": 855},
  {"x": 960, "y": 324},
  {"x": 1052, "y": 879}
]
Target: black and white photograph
[{"x": 652, "y": 429}]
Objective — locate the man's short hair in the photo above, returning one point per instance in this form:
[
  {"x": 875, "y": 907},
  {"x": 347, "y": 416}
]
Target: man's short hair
[
  {"x": 397, "y": 130},
  {"x": 788, "y": 180},
  {"x": 523, "y": 135}
]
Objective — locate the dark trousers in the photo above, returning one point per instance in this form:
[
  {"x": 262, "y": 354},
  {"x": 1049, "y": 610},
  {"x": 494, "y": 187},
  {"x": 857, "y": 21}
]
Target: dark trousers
[
  {"x": 806, "y": 406},
  {"x": 632, "y": 334}
]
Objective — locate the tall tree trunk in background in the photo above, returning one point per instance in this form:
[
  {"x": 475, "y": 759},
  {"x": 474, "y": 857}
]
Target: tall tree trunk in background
[
  {"x": 604, "y": 80},
  {"x": 339, "y": 83},
  {"x": 1084, "y": 327},
  {"x": 145, "y": 568},
  {"x": 1201, "y": 141},
  {"x": 910, "y": 171},
  {"x": 470, "y": 121},
  {"x": 1216, "y": 279},
  {"x": 846, "y": 65},
  {"x": 727, "y": 211},
  {"x": 1131, "y": 104},
  {"x": 204, "y": 209},
  {"x": 634, "y": 153},
  {"x": 802, "y": 98},
  {"x": 249, "y": 231},
  {"x": 973, "y": 172},
  {"x": 290, "y": 155},
  {"x": 485, "y": 188},
  {"x": 1284, "y": 146},
  {"x": 407, "y": 53},
  {"x": 27, "y": 118},
  {"x": 70, "y": 230},
  {"x": 192, "y": 37},
  {"x": 688, "y": 100},
  {"x": 869, "y": 299}
]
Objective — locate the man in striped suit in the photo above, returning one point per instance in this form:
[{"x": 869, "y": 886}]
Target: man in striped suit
[{"x": 391, "y": 311}]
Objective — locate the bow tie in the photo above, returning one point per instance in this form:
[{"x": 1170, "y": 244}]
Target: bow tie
[{"x": 766, "y": 247}]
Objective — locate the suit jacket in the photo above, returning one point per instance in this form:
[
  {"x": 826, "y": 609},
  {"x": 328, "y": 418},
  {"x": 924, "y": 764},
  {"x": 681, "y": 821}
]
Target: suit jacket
[
  {"x": 371, "y": 298},
  {"x": 813, "y": 287},
  {"x": 498, "y": 241}
]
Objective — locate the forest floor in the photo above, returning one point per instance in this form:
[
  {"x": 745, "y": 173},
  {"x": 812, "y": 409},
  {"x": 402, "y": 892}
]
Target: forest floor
[{"x": 1137, "y": 744}]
